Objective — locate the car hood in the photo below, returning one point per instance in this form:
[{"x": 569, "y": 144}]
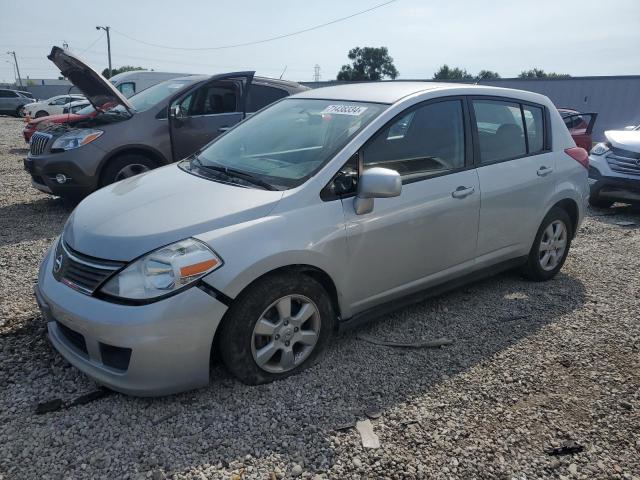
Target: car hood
[
  {"x": 98, "y": 90},
  {"x": 624, "y": 139},
  {"x": 134, "y": 216}
]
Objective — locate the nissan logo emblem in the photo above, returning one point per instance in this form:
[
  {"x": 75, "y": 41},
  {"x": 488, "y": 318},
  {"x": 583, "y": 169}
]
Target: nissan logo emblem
[
  {"x": 57, "y": 264},
  {"x": 638, "y": 162}
]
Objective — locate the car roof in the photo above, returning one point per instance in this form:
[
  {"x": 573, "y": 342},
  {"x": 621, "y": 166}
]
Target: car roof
[
  {"x": 389, "y": 92},
  {"x": 567, "y": 111},
  {"x": 378, "y": 92},
  {"x": 260, "y": 80}
]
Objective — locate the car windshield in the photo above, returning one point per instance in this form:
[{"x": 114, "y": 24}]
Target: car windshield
[
  {"x": 151, "y": 96},
  {"x": 288, "y": 142}
]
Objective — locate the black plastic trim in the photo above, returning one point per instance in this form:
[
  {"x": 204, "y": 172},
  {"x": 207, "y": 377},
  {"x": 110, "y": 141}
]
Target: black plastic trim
[{"x": 215, "y": 293}]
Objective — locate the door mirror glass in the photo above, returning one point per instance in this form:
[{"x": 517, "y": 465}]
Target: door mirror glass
[
  {"x": 176, "y": 112},
  {"x": 376, "y": 183}
]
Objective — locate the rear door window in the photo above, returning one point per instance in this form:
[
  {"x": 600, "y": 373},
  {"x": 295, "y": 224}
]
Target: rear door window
[
  {"x": 127, "y": 89},
  {"x": 261, "y": 95},
  {"x": 501, "y": 134},
  {"x": 534, "y": 121}
]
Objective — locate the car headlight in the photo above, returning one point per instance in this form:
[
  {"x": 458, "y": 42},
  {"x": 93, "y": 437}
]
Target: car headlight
[
  {"x": 163, "y": 271},
  {"x": 75, "y": 139},
  {"x": 600, "y": 148}
]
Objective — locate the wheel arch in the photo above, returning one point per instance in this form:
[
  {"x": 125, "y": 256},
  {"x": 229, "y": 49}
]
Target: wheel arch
[
  {"x": 145, "y": 150},
  {"x": 312, "y": 271},
  {"x": 571, "y": 207}
]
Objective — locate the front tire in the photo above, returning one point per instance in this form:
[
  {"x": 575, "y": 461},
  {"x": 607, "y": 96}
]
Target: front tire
[
  {"x": 125, "y": 166},
  {"x": 20, "y": 112},
  {"x": 550, "y": 247},
  {"x": 276, "y": 328}
]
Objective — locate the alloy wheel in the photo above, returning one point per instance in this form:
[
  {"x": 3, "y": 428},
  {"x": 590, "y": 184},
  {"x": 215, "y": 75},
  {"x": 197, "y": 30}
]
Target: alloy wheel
[
  {"x": 552, "y": 245},
  {"x": 285, "y": 334},
  {"x": 130, "y": 171}
]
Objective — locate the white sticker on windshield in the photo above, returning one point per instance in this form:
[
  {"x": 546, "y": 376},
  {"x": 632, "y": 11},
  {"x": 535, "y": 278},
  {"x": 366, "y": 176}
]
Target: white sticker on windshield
[{"x": 344, "y": 110}]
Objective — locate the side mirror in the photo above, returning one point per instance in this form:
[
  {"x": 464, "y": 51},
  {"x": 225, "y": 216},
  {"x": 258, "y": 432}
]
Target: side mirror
[
  {"x": 176, "y": 112},
  {"x": 630, "y": 127},
  {"x": 376, "y": 183}
]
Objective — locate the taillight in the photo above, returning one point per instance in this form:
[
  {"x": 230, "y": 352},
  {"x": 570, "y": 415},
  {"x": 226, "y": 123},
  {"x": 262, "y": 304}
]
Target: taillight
[{"x": 579, "y": 154}]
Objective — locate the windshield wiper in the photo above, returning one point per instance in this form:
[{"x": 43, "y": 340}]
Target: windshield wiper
[{"x": 230, "y": 172}]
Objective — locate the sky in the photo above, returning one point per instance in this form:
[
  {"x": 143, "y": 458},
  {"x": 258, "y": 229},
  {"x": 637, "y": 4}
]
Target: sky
[{"x": 585, "y": 37}]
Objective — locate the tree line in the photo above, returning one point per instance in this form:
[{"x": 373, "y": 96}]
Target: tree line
[{"x": 375, "y": 63}]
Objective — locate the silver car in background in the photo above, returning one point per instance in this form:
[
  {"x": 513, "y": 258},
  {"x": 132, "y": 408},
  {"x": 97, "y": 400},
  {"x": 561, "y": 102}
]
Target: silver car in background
[
  {"x": 319, "y": 211},
  {"x": 12, "y": 102}
]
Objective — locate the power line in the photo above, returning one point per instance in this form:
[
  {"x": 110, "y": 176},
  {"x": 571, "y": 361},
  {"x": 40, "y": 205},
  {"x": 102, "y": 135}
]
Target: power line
[
  {"x": 271, "y": 39},
  {"x": 93, "y": 43}
]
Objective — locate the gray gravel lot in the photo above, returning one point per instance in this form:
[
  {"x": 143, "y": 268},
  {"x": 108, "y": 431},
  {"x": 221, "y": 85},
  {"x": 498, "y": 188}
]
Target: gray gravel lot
[{"x": 532, "y": 365}]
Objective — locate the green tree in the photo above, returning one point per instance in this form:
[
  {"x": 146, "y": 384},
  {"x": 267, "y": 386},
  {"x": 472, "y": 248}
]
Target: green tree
[
  {"x": 447, "y": 73},
  {"x": 487, "y": 75},
  {"x": 539, "y": 73},
  {"x": 115, "y": 71},
  {"x": 368, "y": 63}
]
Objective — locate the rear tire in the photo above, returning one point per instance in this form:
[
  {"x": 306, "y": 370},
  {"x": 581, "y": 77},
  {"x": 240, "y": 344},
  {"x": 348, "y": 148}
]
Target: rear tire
[
  {"x": 125, "y": 166},
  {"x": 550, "y": 246},
  {"x": 41, "y": 113},
  {"x": 246, "y": 345},
  {"x": 600, "y": 202},
  {"x": 20, "y": 111}
]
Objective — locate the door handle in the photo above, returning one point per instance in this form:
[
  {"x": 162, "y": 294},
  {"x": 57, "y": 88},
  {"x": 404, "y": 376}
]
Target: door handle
[
  {"x": 462, "y": 192},
  {"x": 544, "y": 171},
  {"x": 224, "y": 129}
]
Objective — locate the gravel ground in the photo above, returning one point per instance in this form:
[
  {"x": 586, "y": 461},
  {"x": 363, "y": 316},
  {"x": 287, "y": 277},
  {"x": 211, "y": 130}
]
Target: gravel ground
[{"x": 531, "y": 366}]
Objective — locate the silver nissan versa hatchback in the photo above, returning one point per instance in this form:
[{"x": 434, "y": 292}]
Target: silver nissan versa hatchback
[{"x": 322, "y": 209}]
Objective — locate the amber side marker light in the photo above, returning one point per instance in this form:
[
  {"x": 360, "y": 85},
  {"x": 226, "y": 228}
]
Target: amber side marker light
[{"x": 198, "y": 268}]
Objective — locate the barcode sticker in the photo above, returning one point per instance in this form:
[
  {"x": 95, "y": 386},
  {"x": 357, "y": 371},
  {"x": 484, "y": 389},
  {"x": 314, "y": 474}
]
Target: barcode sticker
[{"x": 344, "y": 110}]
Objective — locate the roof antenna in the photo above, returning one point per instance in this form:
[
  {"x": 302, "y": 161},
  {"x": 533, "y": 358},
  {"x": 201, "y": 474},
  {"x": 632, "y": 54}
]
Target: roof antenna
[{"x": 285, "y": 69}]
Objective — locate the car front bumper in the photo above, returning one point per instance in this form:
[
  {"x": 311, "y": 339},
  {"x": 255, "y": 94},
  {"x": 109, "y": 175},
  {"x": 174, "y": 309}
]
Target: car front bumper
[
  {"x": 144, "y": 350},
  {"x": 80, "y": 166},
  {"x": 609, "y": 184}
]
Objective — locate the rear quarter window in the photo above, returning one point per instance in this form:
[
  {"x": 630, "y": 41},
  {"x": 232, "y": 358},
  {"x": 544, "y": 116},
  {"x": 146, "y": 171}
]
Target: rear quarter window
[{"x": 261, "y": 95}]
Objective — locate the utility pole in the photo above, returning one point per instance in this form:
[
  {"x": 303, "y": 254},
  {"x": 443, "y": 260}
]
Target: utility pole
[
  {"x": 316, "y": 73},
  {"x": 15, "y": 60},
  {"x": 106, "y": 29}
]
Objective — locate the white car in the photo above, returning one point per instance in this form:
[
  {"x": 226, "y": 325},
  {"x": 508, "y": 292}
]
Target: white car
[
  {"x": 52, "y": 106},
  {"x": 73, "y": 107},
  {"x": 614, "y": 168}
]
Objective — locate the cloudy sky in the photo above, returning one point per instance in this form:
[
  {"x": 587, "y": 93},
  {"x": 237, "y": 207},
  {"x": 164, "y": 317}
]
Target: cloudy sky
[{"x": 588, "y": 37}]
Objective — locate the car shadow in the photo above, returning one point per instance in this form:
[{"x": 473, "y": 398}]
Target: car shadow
[
  {"x": 42, "y": 218},
  {"x": 622, "y": 215},
  {"x": 295, "y": 420}
]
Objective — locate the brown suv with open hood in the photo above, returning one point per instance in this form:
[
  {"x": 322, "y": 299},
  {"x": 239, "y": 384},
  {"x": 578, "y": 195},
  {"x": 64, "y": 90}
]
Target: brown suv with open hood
[{"x": 162, "y": 124}]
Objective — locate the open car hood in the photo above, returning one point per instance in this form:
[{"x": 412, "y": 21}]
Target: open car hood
[
  {"x": 98, "y": 90},
  {"x": 624, "y": 139}
]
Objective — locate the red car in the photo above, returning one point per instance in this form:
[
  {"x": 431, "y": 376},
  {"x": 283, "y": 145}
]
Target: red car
[
  {"x": 580, "y": 126},
  {"x": 34, "y": 124}
]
